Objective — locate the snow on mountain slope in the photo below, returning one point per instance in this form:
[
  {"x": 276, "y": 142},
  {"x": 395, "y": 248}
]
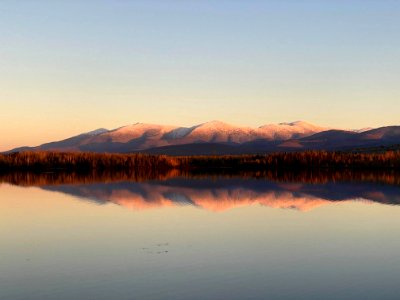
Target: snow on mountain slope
[
  {"x": 138, "y": 130},
  {"x": 178, "y": 133},
  {"x": 285, "y": 131},
  {"x": 141, "y": 136},
  {"x": 218, "y": 132},
  {"x": 97, "y": 131}
]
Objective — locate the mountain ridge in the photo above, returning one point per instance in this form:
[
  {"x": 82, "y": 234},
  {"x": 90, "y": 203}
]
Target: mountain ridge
[{"x": 217, "y": 137}]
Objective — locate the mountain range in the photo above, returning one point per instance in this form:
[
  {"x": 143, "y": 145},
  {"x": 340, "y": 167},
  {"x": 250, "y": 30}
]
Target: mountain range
[{"x": 217, "y": 137}]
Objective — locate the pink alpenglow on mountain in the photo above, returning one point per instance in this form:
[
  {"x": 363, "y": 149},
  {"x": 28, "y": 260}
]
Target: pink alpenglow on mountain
[{"x": 219, "y": 138}]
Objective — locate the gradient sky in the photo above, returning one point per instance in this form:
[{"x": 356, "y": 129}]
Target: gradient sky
[{"x": 72, "y": 66}]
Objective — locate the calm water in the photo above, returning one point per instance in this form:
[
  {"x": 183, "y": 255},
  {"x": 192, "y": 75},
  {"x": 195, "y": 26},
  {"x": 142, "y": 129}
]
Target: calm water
[{"x": 200, "y": 238}]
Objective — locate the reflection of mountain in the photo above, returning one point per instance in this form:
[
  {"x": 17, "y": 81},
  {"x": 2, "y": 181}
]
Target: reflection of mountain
[{"x": 227, "y": 193}]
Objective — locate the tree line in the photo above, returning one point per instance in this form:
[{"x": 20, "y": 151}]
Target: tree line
[
  {"x": 85, "y": 161},
  {"x": 296, "y": 160},
  {"x": 145, "y": 163}
]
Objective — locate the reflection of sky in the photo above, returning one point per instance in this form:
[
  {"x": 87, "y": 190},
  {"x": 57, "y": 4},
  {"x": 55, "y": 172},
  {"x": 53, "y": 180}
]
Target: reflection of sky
[{"x": 56, "y": 246}]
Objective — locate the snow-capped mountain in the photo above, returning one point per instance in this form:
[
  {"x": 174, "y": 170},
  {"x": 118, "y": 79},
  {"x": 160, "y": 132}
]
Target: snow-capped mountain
[
  {"x": 285, "y": 131},
  {"x": 217, "y": 137},
  {"x": 141, "y": 136}
]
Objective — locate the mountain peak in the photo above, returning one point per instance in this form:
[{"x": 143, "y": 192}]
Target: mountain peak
[
  {"x": 142, "y": 126},
  {"x": 216, "y": 123},
  {"x": 298, "y": 123},
  {"x": 96, "y": 131}
]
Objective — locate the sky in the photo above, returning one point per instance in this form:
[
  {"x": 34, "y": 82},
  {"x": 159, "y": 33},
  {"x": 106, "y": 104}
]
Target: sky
[{"x": 68, "y": 67}]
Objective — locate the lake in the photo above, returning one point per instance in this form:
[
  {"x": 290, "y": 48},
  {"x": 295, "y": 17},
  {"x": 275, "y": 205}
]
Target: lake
[{"x": 199, "y": 237}]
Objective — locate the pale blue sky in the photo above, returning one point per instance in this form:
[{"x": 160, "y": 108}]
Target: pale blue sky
[{"x": 73, "y": 66}]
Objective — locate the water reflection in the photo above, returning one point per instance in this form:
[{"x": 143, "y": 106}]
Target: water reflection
[
  {"x": 302, "y": 190},
  {"x": 55, "y": 246}
]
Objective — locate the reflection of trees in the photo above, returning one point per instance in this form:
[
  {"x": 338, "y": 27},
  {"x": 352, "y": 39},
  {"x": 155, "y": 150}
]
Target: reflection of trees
[
  {"x": 390, "y": 177},
  {"x": 55, "y": 178}
]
